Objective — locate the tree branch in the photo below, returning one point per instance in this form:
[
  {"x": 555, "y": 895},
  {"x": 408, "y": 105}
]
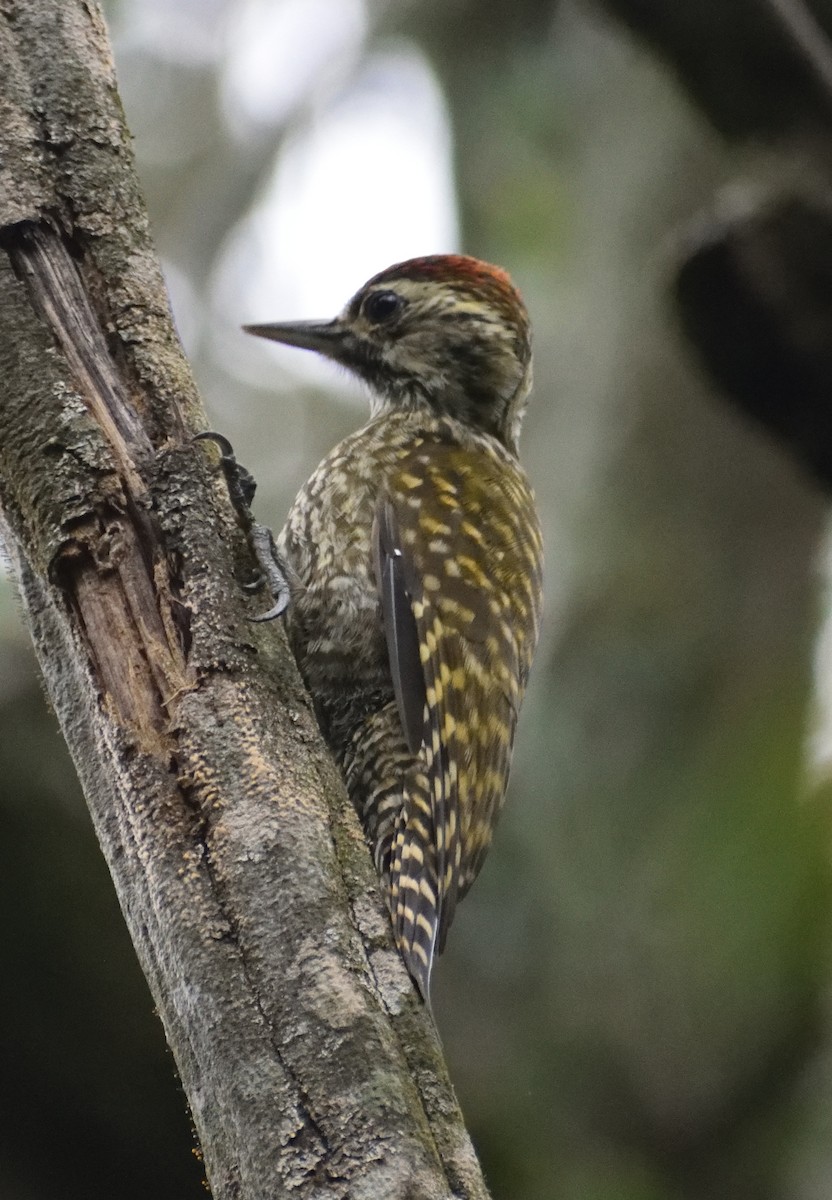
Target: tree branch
[
  {"x": 309, "y": 1064},
  {"x": 753, "y": 279},
  {"x": 754, "y": 290},
  {"x": 755, "y": 68}
]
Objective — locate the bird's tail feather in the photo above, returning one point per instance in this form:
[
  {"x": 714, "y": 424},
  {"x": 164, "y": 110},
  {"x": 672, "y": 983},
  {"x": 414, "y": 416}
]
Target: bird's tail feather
[{"x": 414, "y": 894}]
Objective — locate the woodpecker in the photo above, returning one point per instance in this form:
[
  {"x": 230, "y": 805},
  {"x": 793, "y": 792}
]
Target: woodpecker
[{"x": 414, "y": 558}]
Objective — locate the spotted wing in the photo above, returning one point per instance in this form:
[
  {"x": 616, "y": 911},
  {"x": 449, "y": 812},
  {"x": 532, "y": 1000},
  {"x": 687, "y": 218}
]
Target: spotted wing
[{"x": 468, "y": 549}]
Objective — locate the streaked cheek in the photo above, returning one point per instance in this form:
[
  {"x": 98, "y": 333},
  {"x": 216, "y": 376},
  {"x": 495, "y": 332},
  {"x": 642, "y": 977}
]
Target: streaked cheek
[{"x": 414, "y": 356}]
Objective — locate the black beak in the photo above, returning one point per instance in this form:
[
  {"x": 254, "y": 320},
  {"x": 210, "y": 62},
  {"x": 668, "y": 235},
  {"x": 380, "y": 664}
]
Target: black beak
[{"x": 325, "y": 337}]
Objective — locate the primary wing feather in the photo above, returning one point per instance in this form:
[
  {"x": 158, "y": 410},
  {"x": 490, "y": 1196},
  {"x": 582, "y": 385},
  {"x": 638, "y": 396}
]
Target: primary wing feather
[{"x": 401, "y": 634}]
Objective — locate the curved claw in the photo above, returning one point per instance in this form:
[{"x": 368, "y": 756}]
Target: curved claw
[
  {"x": 277, "y": 609},
  {"x": 273, "y": 572},
  {"x": 219, "y": 439},
  {"x": 240, "y": 482}
]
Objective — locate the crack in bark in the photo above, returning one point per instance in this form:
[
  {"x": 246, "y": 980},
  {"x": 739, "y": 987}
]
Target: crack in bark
[{"x": 41, "y": 259}]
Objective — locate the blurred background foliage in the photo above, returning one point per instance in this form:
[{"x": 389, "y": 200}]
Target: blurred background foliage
[{"x": 633, "y": 1002}]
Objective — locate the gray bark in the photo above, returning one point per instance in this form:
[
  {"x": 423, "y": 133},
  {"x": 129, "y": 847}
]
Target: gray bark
[{"x": 309, "y": 1064}]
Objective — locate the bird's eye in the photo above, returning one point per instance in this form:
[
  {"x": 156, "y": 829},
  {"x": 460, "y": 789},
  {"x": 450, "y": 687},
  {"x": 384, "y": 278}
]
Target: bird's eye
[{"x": 381, "y": 306}]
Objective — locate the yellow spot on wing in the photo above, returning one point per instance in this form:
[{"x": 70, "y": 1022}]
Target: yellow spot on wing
[{"x": 433, "y": 527}]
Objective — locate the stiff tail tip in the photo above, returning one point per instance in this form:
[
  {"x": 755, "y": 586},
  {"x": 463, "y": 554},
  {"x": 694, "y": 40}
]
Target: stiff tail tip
[
  {"x": 414, "y": 904},
  {"x": 418, "y": 954}
]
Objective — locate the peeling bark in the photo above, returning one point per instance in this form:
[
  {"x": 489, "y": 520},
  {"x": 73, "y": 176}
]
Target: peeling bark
[{"x": 310, "y": 1066}]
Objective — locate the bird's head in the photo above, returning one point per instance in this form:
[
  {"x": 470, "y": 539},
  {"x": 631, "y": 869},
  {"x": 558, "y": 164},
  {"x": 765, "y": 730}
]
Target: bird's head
[{"x": 447, "y": 333}]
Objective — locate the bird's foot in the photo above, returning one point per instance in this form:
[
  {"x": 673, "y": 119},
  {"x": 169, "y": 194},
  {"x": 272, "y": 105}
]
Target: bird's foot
[{"x": 241, "y": 488}]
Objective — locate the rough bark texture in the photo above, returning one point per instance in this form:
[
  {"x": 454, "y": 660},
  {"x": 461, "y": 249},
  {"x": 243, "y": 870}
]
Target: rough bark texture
[{"x": 310, "y": 1067}]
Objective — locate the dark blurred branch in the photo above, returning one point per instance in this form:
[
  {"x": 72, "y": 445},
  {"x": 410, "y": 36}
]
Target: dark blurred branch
[
  {"x": 755, "y": 294},
  {"x": 755, "y": 67},
  {"x": 801, "y": 27},
  {"x": 309, "y": 1064},
  {"x": 755, "y": 291}
]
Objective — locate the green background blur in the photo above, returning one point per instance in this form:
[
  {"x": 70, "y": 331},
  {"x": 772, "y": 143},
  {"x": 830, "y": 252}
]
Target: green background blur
[{"x": 633, "y": 1002}]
